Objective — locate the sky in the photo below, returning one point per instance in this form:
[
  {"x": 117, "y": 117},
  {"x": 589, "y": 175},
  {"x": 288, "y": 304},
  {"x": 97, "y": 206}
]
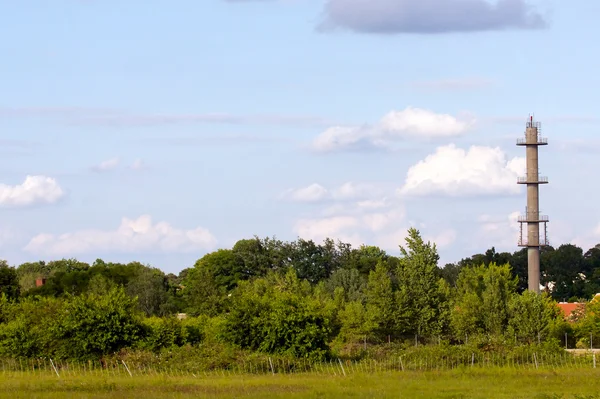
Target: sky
[{"x": 158, "y": 131}]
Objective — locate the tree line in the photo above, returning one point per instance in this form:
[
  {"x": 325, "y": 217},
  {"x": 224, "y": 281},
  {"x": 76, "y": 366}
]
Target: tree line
[{"x": 297, "y": 298}]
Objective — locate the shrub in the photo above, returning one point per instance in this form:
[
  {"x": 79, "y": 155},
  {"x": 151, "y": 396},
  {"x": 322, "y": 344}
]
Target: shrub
[
  {"x": 162, "y": 333},
  {"x": 91, "y": 326},
  {"x": 279, "y": 315}
]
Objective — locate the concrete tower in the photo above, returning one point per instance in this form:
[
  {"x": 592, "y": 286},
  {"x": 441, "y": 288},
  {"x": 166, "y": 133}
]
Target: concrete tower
[{"x": 532, "y": 218}]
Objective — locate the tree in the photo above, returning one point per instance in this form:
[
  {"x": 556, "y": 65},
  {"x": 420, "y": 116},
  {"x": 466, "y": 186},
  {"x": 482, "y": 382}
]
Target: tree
[
  {"x": 253, "y": 257},
  {"x": 357, "y": 322},
  {"x": 352, "y": 283},
  {"x": 9, "y": 282},
  {"x": 450, "y": 273},
  {"x": 91, "y": 326},
  {"x": 29, "y": 272},
  {"x": 381, "y": 302},
  {"x": 150, "y": 287},
  {"x": 365, "y": 258},
  {"x": 532, "y": 316},
  {"x": 225, "y": 266},
  {"x": 201, "y": 294},
  {"x": 591, "y": 261},
  {"x": 518, "y": 265},
  {"x": 29, "y": 326},
  {"x": 279, "y": 314},
  {"x": 480, "y": 304},
  {"x": 418, "y": 286},
  {"x": 310, "y": 261},
  {"x": 564, "y": 271}
]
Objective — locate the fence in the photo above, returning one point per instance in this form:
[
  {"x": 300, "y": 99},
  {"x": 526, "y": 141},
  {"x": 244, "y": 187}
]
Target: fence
[
  {"x": 568, "y": 341},
  {"x": 404, "y": 363}
]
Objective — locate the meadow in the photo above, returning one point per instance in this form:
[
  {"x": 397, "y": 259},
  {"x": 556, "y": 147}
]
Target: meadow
[{"x": 564, "y": 377}]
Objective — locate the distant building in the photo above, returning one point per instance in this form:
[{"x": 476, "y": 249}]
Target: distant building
[
  {"x": 40, "y": 281},
  {"x": 572, "y": 311}
]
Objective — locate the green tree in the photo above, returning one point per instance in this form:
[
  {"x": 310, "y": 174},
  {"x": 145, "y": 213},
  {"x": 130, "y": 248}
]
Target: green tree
[
  {"x": 150, "y": 287},
  {"x": 225, "y": 266},
  {"x": 591, "y": 261},
  {"x": 357, "y": 322},
  {"x": 481, "y": 299},
  {"x": 9, "y": 281},
  {"x": 27, "y": 330},
  {"x": 532, "y": 316},
  {"x": 418, "y": 285},
  {"x": 201, "y": 294},
  {"x": 352, "y": 282},
  {"x": 29, "y": 272},
  {"x": 253, "y": 257},
  {"x": 381, "y": 303},
  {"x": 279, "y": 314},
  {"x": 90, "y": 326},
  {"x": 564, "y": 269},
  {"x": 310, "y": 262}
]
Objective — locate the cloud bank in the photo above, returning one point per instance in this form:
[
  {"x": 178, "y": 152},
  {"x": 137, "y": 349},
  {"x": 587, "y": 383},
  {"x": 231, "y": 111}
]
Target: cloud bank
[
  {"x": 429, "y": 16},
  {"x": 132, "y": 236},
  {"x": 35, "y": 190},
  {"x": 357, "y": 215},
  {"x": 347, "y": 191},
  {"x": 107, "y": 165},
  {"x": 455, "y": 172},
  {"x": 410, "y": 123}
]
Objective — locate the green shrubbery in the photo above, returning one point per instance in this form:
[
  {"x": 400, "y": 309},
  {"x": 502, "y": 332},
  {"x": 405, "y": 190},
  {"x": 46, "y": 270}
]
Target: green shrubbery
[
  {"x": 79, "y": 327},
  {"x": 287, "y": 301},
  {"x": 281, "y": 315}
]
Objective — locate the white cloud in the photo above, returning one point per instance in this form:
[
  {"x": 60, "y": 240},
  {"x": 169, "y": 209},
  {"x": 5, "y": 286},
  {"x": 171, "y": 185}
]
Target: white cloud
[
  {"x": 132, "y": 236},
  {"x": 444, "y": 239},
  {"x": 106, "y": 165},
  {"x": 586, "y": 240},
  {"x": 423, "y": 123},
  {"x": 373, "y": 222},
  {"x": 341, "y": 137},
  {"x": 452, "y": 171},
  {"x": 352, "y": 190},
  {"x": 392, "y": 240},
  {"x": 498, "y": 231},
  {"x": 338, "y": 227},
  {"x": 378, "y": 221},
  {"x": 317, "y": 193},
  {"x": 395, "y": 125},
  {"x": 34, "y": 190},
  {"x": 373, "y": 204},
  {"x": 313, "y": 193},
  {"x": 138, "y": 164}
]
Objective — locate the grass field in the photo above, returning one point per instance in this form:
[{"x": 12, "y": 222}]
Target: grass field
[{"x": 458, "y": 383}]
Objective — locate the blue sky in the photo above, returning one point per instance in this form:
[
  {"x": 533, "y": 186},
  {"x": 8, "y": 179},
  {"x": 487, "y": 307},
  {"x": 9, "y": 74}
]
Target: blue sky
[{"x": 158, "y": 131}]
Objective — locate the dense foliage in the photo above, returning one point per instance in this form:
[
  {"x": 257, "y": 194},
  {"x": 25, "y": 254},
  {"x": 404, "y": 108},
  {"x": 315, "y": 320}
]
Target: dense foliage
[{"x": 296, "y": 299}]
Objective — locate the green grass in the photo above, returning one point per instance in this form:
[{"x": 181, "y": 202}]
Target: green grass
[{"x": 485, "y": 383}]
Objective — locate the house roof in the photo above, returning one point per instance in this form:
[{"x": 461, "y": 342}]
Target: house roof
[{"x": 568, "y": 308}]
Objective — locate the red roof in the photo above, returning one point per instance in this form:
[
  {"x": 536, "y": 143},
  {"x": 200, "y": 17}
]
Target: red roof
[{"x": 568, "y": 308}]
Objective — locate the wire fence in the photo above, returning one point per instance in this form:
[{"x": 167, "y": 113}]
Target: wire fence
[
  {"x": 567, "y": 341},
  {"x": 404, "y": 363}
]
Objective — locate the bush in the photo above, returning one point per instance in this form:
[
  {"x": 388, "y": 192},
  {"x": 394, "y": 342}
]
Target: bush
[
  {"x": 90, "y": 326},
  {"x": 29, "y": 327},
  {"x": 162, "y": 333},
  {"x": 279, "y": 315}
]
